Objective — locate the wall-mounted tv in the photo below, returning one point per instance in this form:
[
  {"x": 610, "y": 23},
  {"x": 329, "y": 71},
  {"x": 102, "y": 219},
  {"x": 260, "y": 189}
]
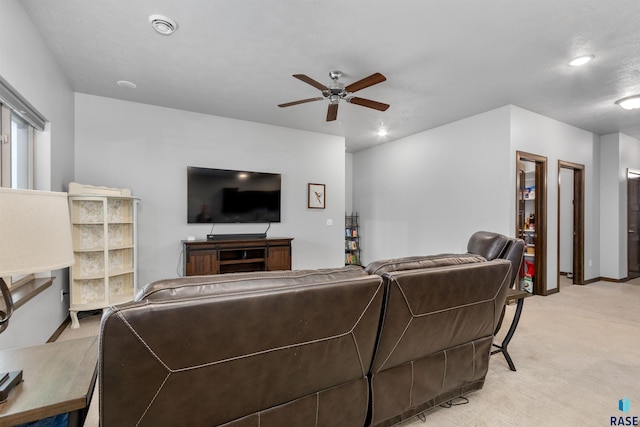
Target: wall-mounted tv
[{"x": 231, "y": 196}]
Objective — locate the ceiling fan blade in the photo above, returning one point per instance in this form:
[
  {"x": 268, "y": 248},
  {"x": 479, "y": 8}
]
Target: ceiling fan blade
[
  {"x": 332, "y": 112},
  {"x": 302, "y": 101},
  {"x": 369, "y": 103},
  {"x": 366, "y": 82},
  {"x": 310, "y": 81}
]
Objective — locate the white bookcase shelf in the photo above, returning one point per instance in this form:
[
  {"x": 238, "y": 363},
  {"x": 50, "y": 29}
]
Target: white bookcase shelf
[{"x": 104, "y": 242}]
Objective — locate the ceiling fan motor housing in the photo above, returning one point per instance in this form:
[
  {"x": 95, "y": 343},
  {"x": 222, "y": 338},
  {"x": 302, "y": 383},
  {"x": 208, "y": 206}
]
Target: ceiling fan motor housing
[{"x": 335, "y": 89}]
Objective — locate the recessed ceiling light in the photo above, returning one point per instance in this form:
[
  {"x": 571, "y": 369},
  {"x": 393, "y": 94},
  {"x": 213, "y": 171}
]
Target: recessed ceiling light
[
  {"x": 630, "y": 102},
  {"x": 127, "y": 84},
  {"x": 382, "y": 131},
  {"x": 163, "y": 25},
  {"x": 581, "y": 60}
]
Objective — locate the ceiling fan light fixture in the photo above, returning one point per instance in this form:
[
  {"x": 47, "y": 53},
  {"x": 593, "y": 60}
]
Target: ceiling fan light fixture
[
  {"x": 163, "y": 25},
  {"x": 581, "y": 60},
  {"x": 630, "y": 102}
]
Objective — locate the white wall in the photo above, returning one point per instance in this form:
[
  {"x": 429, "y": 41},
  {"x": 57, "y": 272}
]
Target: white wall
[
  {"x": 536, "y": 134},
  {"x": 619, "y": 152},
  {"x": 348, "y": 183},
  {"x": 30, "y": 68},
  {"x": 629, "y": 159},
  {"x": 427, "y": 193},
  {"x": 148, "y": 149},
  {"x": 610, "y": 225}
]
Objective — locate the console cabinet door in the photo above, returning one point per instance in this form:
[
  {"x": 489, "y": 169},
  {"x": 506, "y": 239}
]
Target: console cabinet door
[
  {"x": 202, "y": 262},
  {"x": 279, "y": 258}
]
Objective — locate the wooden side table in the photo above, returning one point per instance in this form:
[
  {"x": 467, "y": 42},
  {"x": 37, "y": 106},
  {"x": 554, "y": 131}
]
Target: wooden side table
[
  {"x": 518, "y": 296},
  {"x": 59, "y": 377}
]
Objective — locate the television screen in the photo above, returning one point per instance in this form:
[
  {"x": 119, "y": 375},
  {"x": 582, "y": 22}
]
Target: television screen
[{"x": 229, "y": 196}]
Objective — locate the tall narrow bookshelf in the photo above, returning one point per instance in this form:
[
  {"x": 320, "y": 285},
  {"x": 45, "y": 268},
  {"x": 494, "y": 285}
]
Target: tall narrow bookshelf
[
  {"x": 351, "y": 240},
  {"x": 104, "y": 244}
]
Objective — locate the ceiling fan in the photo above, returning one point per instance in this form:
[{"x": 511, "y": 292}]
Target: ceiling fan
[{"x": 335, "y": 91}]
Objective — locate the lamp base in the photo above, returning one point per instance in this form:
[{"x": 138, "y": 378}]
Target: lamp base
[{"x": 7, "y": 381}]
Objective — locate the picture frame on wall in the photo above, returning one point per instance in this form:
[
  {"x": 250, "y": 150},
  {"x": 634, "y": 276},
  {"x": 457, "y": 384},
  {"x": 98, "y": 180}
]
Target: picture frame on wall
[{"x": 316, "y": 197}]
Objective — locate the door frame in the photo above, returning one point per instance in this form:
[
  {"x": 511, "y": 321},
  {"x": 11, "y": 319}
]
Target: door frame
[
  {"x": 540, "y": 284},
  {"x": 578, "y": 220},
  {"x": 634, "y": 172}
]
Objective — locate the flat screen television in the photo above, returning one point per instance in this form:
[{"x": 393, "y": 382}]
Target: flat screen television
[{"x": 231, "y": 196}]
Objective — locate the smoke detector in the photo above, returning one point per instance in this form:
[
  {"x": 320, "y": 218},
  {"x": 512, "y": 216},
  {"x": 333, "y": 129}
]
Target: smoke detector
[{"x": 163, "y": 25}]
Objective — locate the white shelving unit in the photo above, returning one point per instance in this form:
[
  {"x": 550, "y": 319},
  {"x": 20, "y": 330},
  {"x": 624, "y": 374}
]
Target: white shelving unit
[{"x": 105, "y": 248}]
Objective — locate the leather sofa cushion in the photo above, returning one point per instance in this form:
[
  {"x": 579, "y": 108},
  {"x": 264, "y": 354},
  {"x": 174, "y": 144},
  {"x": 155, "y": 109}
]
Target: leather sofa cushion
[
  {"x": 461, "y": 303},
  {"x": 436, "y": 333},
  {"x": 493, "y": 245},
  {"x": 416, "y": 262},
  {"x": 514, "y": 253}
]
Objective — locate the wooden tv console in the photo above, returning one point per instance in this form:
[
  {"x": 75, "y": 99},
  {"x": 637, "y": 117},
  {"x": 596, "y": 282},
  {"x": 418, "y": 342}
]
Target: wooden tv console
[{"x": 202, "y": 257}]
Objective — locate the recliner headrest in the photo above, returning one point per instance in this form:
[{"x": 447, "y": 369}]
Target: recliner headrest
[{"x": 488, "y": 244}]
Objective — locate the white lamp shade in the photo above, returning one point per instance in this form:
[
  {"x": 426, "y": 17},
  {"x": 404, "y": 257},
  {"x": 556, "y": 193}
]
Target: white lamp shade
[{"x": 35, "y": 231}]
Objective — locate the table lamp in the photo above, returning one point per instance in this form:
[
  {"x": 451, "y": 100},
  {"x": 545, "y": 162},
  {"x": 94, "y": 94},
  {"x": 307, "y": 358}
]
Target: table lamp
[{"x": 35, "y": 236}]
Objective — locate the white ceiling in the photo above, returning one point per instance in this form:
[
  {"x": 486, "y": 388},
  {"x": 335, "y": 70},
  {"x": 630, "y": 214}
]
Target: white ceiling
[{"x": 444, "y": 59}]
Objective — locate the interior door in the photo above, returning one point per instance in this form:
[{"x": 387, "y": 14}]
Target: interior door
[
  {"x": 633, "y": 220},
  {"x": 531, "y": 199},
  {"x": 526, "y": 222},
  {"x": 571, "y": 220}
]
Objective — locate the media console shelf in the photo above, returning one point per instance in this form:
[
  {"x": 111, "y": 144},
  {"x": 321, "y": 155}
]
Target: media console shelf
[{"x": 202, "y": 257}]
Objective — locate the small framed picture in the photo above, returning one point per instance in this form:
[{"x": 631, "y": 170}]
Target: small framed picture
[{"x": 317, "y": 196}]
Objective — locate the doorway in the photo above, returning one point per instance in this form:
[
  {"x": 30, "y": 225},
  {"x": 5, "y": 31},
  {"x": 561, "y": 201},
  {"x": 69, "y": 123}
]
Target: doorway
[
  {"x": 531, "y": 220},
  {"x": 633, "y": 223},
  {"x": 571, "y": 222}
]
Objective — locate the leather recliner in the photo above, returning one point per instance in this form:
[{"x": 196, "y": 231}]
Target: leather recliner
[
  {"x": 436, "y": 333},
  {"x": 492, "y": 245}
]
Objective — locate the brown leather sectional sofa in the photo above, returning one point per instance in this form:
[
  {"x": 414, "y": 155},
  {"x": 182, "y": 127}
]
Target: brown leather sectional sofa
[{"x": 330, "y": 347}]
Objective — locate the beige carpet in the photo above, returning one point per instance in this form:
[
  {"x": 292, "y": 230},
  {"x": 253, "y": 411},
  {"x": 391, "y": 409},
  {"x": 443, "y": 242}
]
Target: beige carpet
[{"x": 577, "y": 353}]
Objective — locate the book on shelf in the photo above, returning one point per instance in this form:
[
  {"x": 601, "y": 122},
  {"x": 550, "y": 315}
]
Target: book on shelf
[
  {"x": 350, "y": 232},
  {"x": 350, "y": 245},
  {"x": 351, "y": 259}
]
